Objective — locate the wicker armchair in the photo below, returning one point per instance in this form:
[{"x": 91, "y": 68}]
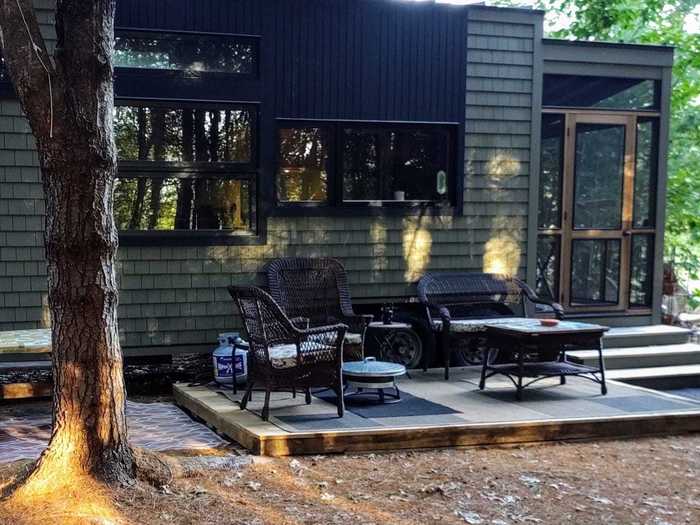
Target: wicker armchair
[
  {"x": 314, "y": 288},
  {"x": 459, "y": 304},
  {"x": 284, "y": 357}
]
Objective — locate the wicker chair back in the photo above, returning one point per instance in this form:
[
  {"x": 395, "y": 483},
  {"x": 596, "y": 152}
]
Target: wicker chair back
[{"x": 315, "y": 288}]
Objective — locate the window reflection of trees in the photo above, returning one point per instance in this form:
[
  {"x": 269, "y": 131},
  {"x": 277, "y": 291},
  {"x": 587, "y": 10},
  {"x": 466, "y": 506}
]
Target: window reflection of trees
[
  {"x": 303, "y": 158},
  {"x": 595, "y": 274},
  {"x": 548, "y": 260},
  {"x": 552, "y": 151},
  {"x": 641, "y": 271},
  {"x": 172, "y": 51},
  {"x": 599, "y": 170},
  {"x": 645, "y": 173},
  {"x": 180, "y": 139},
  {"x": 377, "y": 163}
]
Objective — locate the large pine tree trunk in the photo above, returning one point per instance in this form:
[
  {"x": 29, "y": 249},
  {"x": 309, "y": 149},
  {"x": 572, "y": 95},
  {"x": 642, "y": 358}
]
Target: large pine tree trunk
[
  {"x": 69, "y": 104},
  {"x": 81, "y": 243}
]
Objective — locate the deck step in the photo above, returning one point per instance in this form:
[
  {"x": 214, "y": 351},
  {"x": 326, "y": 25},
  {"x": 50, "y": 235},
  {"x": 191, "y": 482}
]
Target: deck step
[
  {"x": 641, "y": 356},
  {"x": 661, "y": 377},
  {"x": 654, "y": 335}
]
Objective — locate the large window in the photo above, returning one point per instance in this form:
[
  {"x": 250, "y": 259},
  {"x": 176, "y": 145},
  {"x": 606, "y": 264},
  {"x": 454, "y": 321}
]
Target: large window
[
  {"x": 185, "y": 167},
  {"x": 340, "y": 162},
  {"x": 185, "y": 52}
]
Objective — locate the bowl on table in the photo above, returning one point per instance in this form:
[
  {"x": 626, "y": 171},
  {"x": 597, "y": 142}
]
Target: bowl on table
[{"x": 549, "y": 322}]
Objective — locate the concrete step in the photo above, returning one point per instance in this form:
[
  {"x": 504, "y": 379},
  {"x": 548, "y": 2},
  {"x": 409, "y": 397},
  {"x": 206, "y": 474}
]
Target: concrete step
[
  {"x": 662, "y": 377},
  {"x": 641, "y": 356},
  {"x": 654, "y": 335}
]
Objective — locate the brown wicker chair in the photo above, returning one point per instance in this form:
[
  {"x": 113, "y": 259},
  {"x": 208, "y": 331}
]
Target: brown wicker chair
[
  {"x": 284, "y": 357},
  {"x": 314, "y": 288}
]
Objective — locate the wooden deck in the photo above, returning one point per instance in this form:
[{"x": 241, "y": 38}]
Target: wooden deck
[{"x": 448, "y": 414}]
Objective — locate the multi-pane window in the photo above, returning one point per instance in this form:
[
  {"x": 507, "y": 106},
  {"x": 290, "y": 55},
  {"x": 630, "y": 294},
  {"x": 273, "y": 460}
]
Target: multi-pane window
[
  {"x": 185, "y": 52},
  {"x": 334, "y": 163},
  {"x": 185, "y": 167}
]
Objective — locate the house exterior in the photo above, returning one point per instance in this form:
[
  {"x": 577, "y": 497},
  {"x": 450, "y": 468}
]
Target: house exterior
[{"x": 399, "y": 137}]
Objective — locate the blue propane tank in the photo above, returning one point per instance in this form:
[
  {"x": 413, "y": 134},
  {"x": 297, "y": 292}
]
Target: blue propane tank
[{"x": 223, "y": 359}]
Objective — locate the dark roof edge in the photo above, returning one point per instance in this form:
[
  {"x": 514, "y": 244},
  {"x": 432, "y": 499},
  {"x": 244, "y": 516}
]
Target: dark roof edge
[
  {"x": 596, "y": 43},
  {"x": 497, "y": 8}
]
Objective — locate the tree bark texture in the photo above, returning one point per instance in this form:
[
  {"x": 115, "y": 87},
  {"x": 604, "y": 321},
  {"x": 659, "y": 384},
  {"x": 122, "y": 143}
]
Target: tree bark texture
[{"x": 71, "y": 118}]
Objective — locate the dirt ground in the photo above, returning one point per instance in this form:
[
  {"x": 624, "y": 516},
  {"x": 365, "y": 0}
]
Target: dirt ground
[{"x": 645, "y": 481}]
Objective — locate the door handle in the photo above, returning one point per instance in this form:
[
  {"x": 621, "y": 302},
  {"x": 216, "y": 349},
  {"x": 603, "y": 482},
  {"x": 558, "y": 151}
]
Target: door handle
[{"x": 626, "y": 233}]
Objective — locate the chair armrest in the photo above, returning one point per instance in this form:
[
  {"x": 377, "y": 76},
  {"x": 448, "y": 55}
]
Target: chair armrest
[
  {"x": 558, "y": 309},
  {"x": 317, "y": 340},
  {"x": 356, "y": 322},
  {"x": 444, "y": 314},
  {"x": 301, "y": 322},
  {"x": 337, "y": 330},
  {"x": 534, "y": 298}
]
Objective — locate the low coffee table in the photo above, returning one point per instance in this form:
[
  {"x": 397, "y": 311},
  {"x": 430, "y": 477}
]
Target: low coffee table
[
  {"x": 373, "y": 375},
  {"x": 526, "y": 348}
]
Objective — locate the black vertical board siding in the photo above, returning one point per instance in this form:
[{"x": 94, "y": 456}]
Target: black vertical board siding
[
  {"x": 337, "y": 59},
  {"x": 219, "y": 16}
]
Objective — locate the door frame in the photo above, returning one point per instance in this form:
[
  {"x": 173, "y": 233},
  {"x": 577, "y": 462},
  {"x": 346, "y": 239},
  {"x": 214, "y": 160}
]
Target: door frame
[{"x": 567, "y": 234}]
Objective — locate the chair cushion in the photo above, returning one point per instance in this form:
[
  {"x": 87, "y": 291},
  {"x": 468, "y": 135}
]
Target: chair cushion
[
  {"x": 283, "y": 356},
  {"x": 353, "y": 338},
  {"x": 473, "y": 325}
]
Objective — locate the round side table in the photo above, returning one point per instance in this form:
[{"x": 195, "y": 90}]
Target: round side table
[
  {"x": 395, "y": 342},
  {"x": 371, "y": 377}
]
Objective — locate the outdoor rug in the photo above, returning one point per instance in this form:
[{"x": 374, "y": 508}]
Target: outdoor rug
[
  {"x": 156, "y": 426},
  {"x": 294, "y": 415},
  {"x": 368, "y": 407}
]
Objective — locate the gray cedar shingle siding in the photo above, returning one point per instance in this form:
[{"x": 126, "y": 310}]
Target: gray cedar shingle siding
[
  {"x": 177, "y": 296},
  {"x": 22, "y": 266},
  {"x": 498, "y": 131}
]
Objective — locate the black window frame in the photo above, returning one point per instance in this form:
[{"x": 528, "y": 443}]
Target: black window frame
[
  {"x": 182, "y": 73},
  {"x": 192, "y": 170},
  {"x": 335, "y": 205}
]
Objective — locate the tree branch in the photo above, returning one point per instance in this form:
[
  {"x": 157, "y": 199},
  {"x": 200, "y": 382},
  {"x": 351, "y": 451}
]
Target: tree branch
[{"x": 28, "y": 63}]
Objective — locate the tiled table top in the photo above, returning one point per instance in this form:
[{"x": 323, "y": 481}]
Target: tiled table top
[{"x": 25, "y": 341}]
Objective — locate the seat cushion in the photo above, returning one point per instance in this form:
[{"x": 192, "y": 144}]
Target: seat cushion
[
  {"x": 353, "y": 338},
  {"x": 474, "y": 325},
  {"x": 283, "y": 356}
]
